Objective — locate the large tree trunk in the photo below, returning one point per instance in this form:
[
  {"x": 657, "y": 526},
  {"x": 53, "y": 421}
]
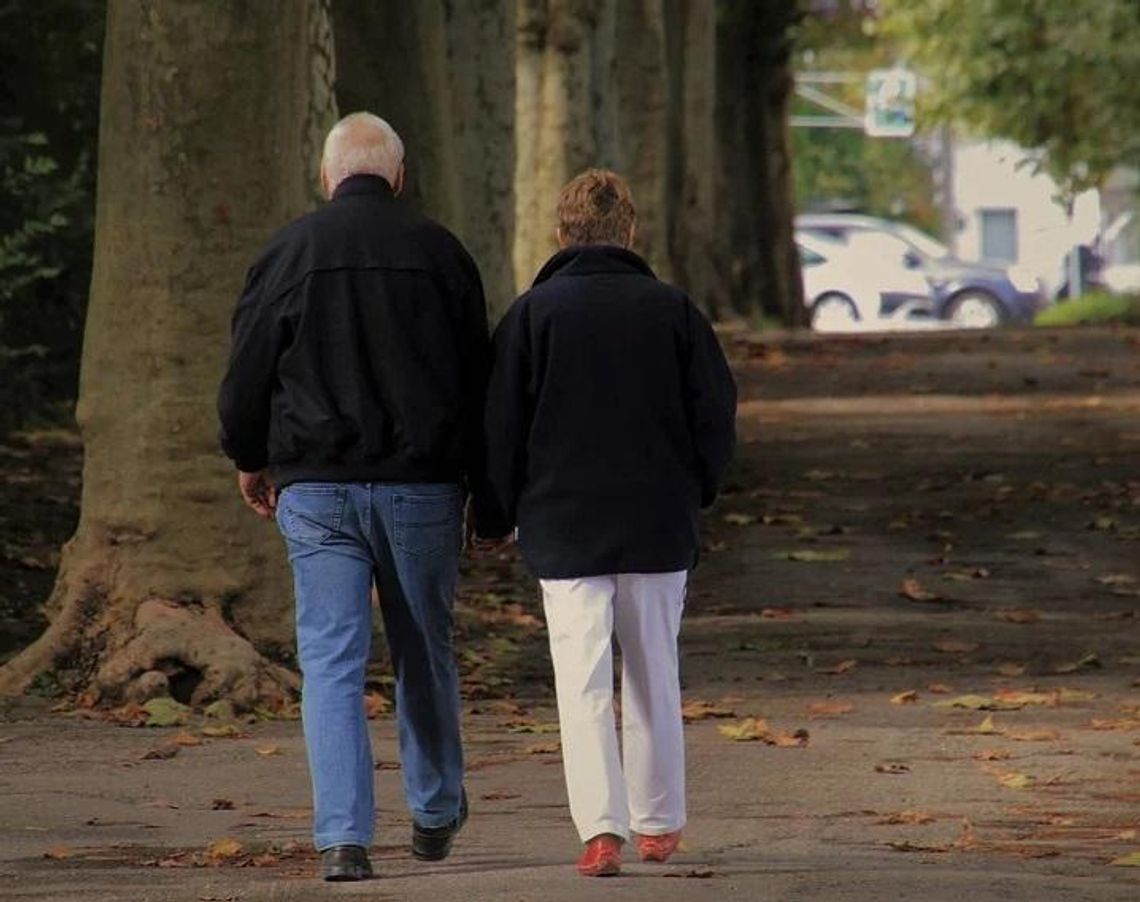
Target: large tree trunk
[
  {"x": 696, "y": 252},
  {"x": 755, "y": 203},
  {"x": 212, "y": 115},
  {"x": 564, "y": 116},
  {"x": 442, "y": 73}
]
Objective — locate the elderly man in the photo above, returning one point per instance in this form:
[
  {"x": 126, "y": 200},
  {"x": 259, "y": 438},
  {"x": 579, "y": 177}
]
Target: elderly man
[
  {"x": 352, "y": 410},
  {"x": 610, "y": 420}
]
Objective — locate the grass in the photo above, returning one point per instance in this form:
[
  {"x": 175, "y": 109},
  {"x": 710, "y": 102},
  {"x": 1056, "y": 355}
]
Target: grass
[{"x": 1098, "y": 308}]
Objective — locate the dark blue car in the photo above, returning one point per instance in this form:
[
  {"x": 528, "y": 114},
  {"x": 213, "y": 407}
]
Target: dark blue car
[{"x": 970, "y": 295}]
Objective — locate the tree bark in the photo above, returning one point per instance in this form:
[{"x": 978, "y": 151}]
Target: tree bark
[
  {"x": 211, "y": 121},
  {"x": 563, "y": 113},
  {"x": 443, "y": 74},
  {"x": 692, "y": 160},
  {"x": 755, "y": 200}
]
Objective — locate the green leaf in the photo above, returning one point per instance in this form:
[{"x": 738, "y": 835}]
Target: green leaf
[{"x": 165, "y": 712}]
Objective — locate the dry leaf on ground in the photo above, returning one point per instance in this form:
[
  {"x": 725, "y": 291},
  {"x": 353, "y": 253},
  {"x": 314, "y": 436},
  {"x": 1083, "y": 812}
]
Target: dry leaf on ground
[
  {"x": 910, "y": 818},
  {"x": 1032, "y": 735},
  {"x": 912, "y": 590},
  {"x": 698, "y": 709},
  {"x": 908, "y": 697},
  {"x": 543, "y": 748},
  {"x": 956, "y": 646},
  {"x": 224, "y": 850},
  {"x": 268, "y": 751},
  {"x": 827, "y": 709},
  {"x": 1018, "y": 615},
  {"x": 755, "y": 729},
  {"x": 842, "y": 667},
  {"x": 892, "y": 767}
]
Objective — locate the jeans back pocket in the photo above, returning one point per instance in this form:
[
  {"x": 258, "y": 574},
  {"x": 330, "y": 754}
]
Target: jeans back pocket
[
  {"x": 311, "y": 512},
  {"x": 428, "y": 523}
]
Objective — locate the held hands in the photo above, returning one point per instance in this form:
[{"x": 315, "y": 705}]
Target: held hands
[{"x": 259, "y": 494}]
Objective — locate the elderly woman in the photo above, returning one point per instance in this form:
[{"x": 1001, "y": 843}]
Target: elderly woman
[{"x": 609, "y": 422}]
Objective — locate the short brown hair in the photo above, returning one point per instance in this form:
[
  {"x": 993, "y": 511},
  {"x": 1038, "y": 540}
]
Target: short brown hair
[{"x": 596, "y": 207}]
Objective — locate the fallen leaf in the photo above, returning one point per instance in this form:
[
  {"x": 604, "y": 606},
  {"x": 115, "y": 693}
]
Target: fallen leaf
[
  {"x": 812, "y": 556},
  {"x": 1117, "y": 579},
  {"x": 993, "y": 755},
  {"x": 185, "y": 739},
  {"x": 58, "y": 853},
  {"x": 910, "y": 696},
  {"x": 986, "y": 728},
  {"x": 1089, "y": 660},
  {"x": 376, "y": 705},
  {"x": 842, "y": 667},
  {"x": 1014, "y": 780},
  {"x": 500, "y": 796},
  {"x": 532, "y": 727},
  {"x": 698, "y": 709},
  {"x": 956, "y": 646},
  {"x": 160, "y": 753},
  {"x": 738, "y": 519},
  {"x": 892, "y": 768},
  {"x": 1033, "y": 735},
  {"x": 225, "y": 731},
  {"x": 979, "y": 703},
  {"x": 165, "y": 712},
  {"x": 268, "y": 751},
  {"x": 694, "y": 873},
  {"x": 222, "y": 805},
  {"x": 1018, "y": 615},
  {"x": 222, "y": 709},
  {"x": 1010, "y": 669},
  {"x": 1123, "y": 724},
  {"x": 1024, "y": 536},
  {"x": 912, "y": 590},
  {"x": 224, "y": 850},
  {"x": 1131, "y": 860},
  {"x": 777, "y": 614},
  {"x": 911, "y": 818},
  {"x": 828, "y": 709},
  {"x": 1103, "y": 524},
  {"x": 543, "y": 748},
  {"x": 754, "y": 729},
  {"x": 939, "y": 689}
]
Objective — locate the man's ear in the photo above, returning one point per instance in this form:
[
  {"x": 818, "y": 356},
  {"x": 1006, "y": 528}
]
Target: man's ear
[
  {"x": 326, "y": 188},
  {"x": 560, "y": 237},
  {"x": 401, "y": 173}
]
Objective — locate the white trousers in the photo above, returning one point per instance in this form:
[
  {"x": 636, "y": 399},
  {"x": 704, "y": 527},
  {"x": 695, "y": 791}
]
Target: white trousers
[{"x": 644, "y": 789}]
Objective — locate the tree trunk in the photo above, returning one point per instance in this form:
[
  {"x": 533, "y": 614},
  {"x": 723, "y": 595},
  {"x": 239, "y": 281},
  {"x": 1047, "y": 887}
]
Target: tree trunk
[
  {"x": 211, "y": 121},
  {"x": 563, "y": 113},
  {"x": 442, "y": 73},
  {"x": 755, "y": 201},
  {"x": 691, "y": 181}
]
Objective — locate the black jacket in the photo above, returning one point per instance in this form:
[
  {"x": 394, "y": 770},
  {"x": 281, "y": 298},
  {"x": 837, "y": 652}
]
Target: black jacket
[
  {"x": 360, "y": 349},
  {"x": 610, "y": 418}
]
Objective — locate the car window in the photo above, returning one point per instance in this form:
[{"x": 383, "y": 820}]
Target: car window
[{"x": 809, "y": 257}]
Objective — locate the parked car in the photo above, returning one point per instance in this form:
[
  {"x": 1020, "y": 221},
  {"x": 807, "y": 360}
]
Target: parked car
[
  {"x": 849, "y": 284},
  {"x": 969, "y": 295}
]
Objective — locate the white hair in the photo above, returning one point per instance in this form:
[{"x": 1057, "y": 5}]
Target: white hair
[{"x": 361, "y": 144}]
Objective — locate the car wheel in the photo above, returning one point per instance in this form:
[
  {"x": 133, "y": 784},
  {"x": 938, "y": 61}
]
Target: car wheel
[
  {"x": 834, "y": 313},
  {"x": 975, "y": 310}
]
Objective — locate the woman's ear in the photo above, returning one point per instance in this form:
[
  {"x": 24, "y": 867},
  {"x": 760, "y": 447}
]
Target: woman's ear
[
  {"x": 560, "y": 237},
  {"x": 632, "y": 236},
  {"x": 401, "y": 173}
]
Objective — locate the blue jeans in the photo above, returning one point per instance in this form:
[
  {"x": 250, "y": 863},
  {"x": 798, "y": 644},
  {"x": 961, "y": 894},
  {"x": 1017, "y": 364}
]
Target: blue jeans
[{"x": 341, "y": 538}]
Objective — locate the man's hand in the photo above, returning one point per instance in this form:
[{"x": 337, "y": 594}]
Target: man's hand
[{"x": 259, "y": 494}]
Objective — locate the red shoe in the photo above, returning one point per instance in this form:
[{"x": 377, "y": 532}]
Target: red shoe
[
  {"x": 658, "y": 848},
  {"x": 601, "y": 857}
]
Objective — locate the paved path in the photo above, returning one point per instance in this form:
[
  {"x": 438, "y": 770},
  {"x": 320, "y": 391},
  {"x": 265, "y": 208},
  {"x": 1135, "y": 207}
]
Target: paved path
[{"x": 941, "y": 515}]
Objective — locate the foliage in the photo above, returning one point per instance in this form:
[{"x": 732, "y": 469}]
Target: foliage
[
  {"x": 843, "y": 168},
  {"x": 50, "y": 55},
  {"x": 1058, "y": 78},
  {"x": 1093, "y": 309}
]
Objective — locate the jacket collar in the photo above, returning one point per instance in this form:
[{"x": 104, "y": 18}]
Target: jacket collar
[
  {"x": 589, "y": 259},
  {"x": 363, "y": 184}
]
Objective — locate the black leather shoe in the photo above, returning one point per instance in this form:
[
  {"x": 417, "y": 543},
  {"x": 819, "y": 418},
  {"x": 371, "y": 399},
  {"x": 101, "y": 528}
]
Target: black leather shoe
[
  {"x": 434, "y": 843},
  {"x": 343, "y": 863}
]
